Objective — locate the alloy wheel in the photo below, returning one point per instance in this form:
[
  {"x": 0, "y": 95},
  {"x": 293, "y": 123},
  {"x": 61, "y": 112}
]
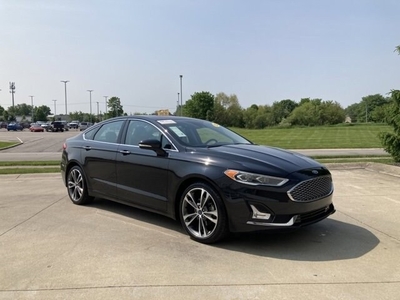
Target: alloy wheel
[{"x": 199, "y": 213}]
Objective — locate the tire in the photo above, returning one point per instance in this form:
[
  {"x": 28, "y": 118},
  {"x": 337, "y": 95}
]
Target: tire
[
  {"x": 77, "y": 187},
  {"x": 203, "y": 214}
]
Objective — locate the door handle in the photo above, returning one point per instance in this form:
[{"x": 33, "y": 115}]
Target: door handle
[
  {"x": 124, "y": 152},
  {"x": 87, "y": 148}
]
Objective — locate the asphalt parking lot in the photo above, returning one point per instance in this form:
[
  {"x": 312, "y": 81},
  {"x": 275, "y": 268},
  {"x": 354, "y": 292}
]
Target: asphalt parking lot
[{"x": 52, "y": 249}]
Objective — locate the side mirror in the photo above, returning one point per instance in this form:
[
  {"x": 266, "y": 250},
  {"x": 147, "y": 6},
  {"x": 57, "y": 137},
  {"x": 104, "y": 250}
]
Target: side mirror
[{"x": 154, "y": 145}]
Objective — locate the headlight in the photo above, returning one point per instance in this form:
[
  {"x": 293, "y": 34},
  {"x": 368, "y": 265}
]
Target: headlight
[{"x": 255, "y": 179}]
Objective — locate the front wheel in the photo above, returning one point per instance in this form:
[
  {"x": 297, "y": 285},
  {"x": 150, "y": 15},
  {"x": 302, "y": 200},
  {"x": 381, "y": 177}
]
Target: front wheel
[
  {"x": 77, "y": 187},
  {"x": 202, "y": 214}
]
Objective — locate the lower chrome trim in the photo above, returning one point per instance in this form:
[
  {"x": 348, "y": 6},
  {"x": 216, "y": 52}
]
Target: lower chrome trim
[{"x": 289, "y": 223}]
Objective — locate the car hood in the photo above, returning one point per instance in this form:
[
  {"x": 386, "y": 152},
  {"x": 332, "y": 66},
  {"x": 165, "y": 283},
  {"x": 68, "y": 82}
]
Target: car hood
[{"x": 257, "y": 158}]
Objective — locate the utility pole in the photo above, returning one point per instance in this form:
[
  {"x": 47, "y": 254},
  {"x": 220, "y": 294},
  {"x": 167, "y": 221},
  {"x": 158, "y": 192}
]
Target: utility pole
[
  {"x": 32, "y": 107},
  {"x": 65, "y": 95},
  {"x": 177, "y": 106},
  {"x": 105, "y": 97},
  {"x": 181, "y": 76},
  {"x": 90, "y": 95},
  {"x": 97, "y": 110},
  {"x": 55, "y": 111},
  {"x": 12, "y": 91}
]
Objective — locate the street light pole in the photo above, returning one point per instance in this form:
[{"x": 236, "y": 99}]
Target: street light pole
[
  {"x": 177, "y": 106},
  {"x": 55, "y": 111},
  {"x": 65, "y": 95},
  {"x": 32, "y": 107},
  {"x": 12, "y": 91},
  {"x": 97, "y": 110},
  {"x": 180, "y": 76},
  {"x": 90, "y": 95},
  {"x": 105, "y": 97}
]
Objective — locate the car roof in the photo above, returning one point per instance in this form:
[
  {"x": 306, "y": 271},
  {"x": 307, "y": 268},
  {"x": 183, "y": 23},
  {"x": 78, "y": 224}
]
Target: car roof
[{"x": 153, "y": 117}]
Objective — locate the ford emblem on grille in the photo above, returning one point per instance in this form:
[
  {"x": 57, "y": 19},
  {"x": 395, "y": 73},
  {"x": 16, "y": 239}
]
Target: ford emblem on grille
[{"x": 314, "y": 172}]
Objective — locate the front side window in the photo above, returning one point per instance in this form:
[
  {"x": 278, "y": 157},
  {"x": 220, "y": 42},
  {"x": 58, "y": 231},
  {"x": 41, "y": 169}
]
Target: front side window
[
  {"x": 109, "y": 132},
  {"x": 139, "y": 131},
  {"x": 200, "y": 133}
]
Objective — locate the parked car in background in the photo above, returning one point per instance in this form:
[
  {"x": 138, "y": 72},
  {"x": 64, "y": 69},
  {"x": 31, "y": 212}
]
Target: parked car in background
[
  {"x": 207, "y": 176},
  {"x": 46, "y": 126},
  {"x": 14, "y": 126},
  {"x": 3, "y": 125},
  {"x": 36, "y": 128},
  {"x": 66, "y": 128},
  {"x": 84, "y": 125},
  {"x": 73, "y": 125},
  {"x": 25, "y": 125},
  {"x": 56, "y": 126}
]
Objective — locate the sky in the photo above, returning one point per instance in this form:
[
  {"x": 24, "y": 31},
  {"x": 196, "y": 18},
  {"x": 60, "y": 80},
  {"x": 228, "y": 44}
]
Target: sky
[{"x": 260, "y": 50}]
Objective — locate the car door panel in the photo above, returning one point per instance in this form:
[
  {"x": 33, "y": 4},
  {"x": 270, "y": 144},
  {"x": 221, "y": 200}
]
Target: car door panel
[{"x": 142, "y": 177}]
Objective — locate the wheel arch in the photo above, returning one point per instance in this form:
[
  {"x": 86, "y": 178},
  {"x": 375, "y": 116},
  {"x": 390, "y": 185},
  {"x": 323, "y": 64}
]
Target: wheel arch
[
  {"x": 189, "y": 181},
  {"x": 72, "y": 164}
]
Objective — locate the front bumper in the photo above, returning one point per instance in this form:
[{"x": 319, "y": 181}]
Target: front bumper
[
  {"x": 298, "y": 220},
  {"x": 255, "y": 209}
]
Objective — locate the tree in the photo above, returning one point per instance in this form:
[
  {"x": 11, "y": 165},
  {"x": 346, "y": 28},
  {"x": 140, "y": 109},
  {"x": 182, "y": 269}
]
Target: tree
[
  {"x": 41, "y": 113},
  {"x": 249, "y": 115},
  {"x": 307, "y": 114},
  {"x": 6, "y": 115},
  {"x": 258, "y": 117},
  {"x": 201, "y": 106},
  {"x": 380, "y": 112},
  {"x": 331, "y": 113},
  {"x": 115, "y": 108},
  {"x": 352, "y": 111},
  {"x": 22, "y": 109},
  {"x": 368, "y": 104},
  {"x": 227, "y": 110},
  {"x": 282, "y": 109},
  {"x": 314, "y": 112},
  {"x": 1, "y": 111},
  {"x": 391, "y": 141}
]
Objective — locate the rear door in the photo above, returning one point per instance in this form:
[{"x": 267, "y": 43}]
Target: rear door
[{"x": 99, "y": 157}]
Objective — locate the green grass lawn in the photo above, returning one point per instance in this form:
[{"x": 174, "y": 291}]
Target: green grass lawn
[
  {"x": 6, "y": 144},
  {"x": 321, "y": 137}
]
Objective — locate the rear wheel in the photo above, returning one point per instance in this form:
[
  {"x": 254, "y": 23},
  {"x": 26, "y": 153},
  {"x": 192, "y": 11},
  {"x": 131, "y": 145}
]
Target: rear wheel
[
  {"x": 77, "y": 187},
  {"x": 202, "y": 214}
]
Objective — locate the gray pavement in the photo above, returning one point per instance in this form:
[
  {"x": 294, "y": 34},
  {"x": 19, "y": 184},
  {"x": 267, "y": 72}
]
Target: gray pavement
[{"x": 52, "y": 249}]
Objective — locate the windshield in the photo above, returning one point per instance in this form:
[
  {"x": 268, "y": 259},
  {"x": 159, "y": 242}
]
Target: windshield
[{"x": 200, "y": 133}]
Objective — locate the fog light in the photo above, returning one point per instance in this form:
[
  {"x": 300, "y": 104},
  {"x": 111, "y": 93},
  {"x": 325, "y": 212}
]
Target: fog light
[{"x": 258, "y": 214}]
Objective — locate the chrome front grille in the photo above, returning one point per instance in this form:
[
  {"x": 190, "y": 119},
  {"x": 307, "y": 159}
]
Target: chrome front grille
[{"x": 311, "y": 190}]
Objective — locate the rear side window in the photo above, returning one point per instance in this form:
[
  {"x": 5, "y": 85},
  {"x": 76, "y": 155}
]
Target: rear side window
[
  {"x": 109, "y": 132},
  {"x": 89, "y": 135}
]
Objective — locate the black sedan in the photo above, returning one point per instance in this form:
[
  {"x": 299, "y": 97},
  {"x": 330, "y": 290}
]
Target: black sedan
[{"x": 210, "y": 178}]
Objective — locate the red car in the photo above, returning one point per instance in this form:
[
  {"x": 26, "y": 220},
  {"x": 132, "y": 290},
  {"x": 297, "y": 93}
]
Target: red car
[{"x": 36, "y": 128}]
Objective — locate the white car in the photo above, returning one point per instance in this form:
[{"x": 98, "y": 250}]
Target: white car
[{"x": 84, "y": 125}]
